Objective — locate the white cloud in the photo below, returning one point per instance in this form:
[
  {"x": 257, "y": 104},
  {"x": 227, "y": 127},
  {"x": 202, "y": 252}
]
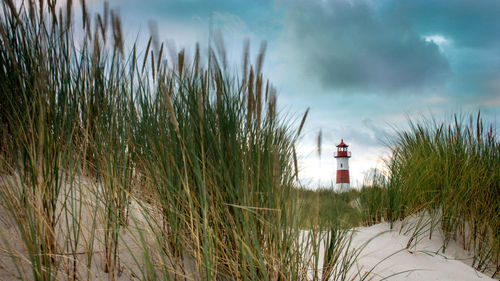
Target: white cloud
[{"x": 438, "y": 39}]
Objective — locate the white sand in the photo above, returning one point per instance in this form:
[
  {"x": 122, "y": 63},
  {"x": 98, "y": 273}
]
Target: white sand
[
  {"x": 92, "y": 212},
  {"x": 423, "y": 261}
]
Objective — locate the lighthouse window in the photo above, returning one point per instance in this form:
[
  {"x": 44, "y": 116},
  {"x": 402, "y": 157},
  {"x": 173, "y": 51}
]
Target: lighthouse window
[{"x": 340, "y": 165}]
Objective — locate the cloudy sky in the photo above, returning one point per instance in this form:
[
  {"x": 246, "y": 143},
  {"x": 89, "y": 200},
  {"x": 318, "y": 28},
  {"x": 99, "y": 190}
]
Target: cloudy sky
[{"x": 363, "y": 67}]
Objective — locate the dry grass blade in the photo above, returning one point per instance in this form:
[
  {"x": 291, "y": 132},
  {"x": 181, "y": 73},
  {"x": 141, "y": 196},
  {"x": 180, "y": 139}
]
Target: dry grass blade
[
  {"x": 170, "y": 108},
  {"x": 180, "y": 62},
  {"x": 146, "y": 54},
  {"x": 319, "y": 143},
  {"x": 260, "y": 58},
  {"x": 295, "y": 164},
  {"x": 153, "y": 64},
  {"x": 117, "y": 32},
  {"x": 304, "y": 117},
  {"x": 246, "y": 57},
  {"x": 83, "y": 6},
  {"x": 160, "y": 55}
]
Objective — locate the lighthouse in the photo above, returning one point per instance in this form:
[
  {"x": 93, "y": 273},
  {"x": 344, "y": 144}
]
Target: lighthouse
[{"x": 342, "y": 155}]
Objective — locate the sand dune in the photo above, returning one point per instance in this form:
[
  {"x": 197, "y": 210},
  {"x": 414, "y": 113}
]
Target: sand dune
[
  {"x": 383, "y": 252},
  {"x": 424, "y": 259}
]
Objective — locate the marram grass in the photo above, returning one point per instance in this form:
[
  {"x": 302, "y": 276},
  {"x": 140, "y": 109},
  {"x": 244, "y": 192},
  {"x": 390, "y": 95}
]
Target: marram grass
[
  {"x": 450, "y": 172},
  {"x": 116, "y": 165}
]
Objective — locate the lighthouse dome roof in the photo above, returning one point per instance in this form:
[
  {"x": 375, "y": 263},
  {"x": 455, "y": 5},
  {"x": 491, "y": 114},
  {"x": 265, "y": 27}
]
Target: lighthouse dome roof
[{"x": 342, "y": 144}]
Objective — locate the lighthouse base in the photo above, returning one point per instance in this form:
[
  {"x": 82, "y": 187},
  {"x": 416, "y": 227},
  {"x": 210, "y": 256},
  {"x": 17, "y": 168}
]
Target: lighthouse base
[{"x": 341, "y": 187}]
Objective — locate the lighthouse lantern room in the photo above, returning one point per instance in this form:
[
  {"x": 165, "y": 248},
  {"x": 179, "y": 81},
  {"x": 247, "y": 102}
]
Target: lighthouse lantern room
[{"x": 342, "y": 154}]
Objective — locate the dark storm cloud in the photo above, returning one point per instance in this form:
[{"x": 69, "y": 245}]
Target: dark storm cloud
[
  {"x": 348, "y": 46},
  {"x": 472, "y": 24},
  {"x": 473, "y": 29}
]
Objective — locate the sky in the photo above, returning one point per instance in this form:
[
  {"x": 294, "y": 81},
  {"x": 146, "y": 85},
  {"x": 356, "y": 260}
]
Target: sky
[{"x": 363, "y": 67}]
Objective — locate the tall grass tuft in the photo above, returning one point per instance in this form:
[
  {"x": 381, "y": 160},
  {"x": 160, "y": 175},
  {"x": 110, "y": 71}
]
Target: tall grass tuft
[
  {"x": 114, "y": 162},
  {"x": 452, "y": 172}
]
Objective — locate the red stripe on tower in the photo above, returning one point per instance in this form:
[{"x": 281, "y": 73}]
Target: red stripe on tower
[{"x": 342, "y": 176}]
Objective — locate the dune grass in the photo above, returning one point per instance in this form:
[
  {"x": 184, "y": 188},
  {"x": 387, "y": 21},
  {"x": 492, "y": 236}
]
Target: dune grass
[
  {"x": 452, "y": 171},
  {"x": 449, "y": 175},
  {"x": 116, "y": 162}
]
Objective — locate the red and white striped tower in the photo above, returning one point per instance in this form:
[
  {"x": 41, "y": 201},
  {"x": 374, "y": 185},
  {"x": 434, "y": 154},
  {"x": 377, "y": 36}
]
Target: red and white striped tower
[{"x": 342, "y": 155}]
